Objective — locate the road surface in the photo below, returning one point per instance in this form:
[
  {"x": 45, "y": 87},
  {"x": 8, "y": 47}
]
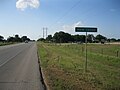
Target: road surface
[{"x": 19, "y": 68}]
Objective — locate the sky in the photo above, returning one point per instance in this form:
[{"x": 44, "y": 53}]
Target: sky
[{"x": 29, "y": 17}]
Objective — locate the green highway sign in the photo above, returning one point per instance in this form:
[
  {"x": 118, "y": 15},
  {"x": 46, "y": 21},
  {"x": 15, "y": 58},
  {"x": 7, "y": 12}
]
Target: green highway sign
[{"x": 85, "y": 29}]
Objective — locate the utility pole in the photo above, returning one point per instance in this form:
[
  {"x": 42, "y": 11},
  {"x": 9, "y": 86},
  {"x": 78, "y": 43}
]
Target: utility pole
[
  {"x": 43, "y": 32},
  {"x": 46, "y": 31},
  {"x": 86, "y": 53}
]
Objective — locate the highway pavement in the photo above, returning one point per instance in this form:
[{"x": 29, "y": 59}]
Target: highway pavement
[{"x": 19, "y": 68}]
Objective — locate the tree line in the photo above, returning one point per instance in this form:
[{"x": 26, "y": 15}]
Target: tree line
[
  {"x": 62, "y": 37},
  {"x": 16, "y": 38}
]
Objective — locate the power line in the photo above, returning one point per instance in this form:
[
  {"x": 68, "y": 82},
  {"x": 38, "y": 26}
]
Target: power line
[
  {"x": 86, "y": 12},
  {"x": 65, "y": 14}
]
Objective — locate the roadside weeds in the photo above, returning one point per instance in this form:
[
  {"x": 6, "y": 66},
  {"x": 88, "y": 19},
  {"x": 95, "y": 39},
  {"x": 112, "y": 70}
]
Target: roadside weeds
[{"x": 43, "y": 79}]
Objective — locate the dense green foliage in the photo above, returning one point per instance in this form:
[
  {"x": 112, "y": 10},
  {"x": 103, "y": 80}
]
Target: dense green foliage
[
  {"x": 62, "y": 37},
  {"x": 16, "y": 38},
  {"x": 1, "y": 38}
]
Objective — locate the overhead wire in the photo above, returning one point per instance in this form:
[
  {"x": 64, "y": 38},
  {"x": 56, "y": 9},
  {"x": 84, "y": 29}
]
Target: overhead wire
[{"x": 66, "y": 13}]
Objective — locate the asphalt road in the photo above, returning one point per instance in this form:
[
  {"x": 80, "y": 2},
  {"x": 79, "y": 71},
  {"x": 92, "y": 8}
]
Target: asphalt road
[{"x": 19, "y": 68}]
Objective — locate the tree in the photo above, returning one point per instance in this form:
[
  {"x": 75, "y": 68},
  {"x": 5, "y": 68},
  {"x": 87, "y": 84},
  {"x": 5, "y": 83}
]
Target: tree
[
  {"x": 49, "y": 38},
  {"x": 1, "y": 38},
  {"x": 100, "y": 38},
  {"x": 118, "y": 40},
  {"x": 41, "y": 39},
  {"x": 17, "y": 38},
  {"x": 24, "y": 38},
  {"x": 90, "y": 38},
  {"x": 113, "y": 40},
  {"x": 79, "y": 38},
  {"x": 11, "y": 39},
  {"x": 62, "y": 37}
]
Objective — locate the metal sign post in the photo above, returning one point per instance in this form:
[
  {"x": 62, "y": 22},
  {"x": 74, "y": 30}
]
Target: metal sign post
[
  {"x": 85, "y": 29},
  {"x": 86, "y": 52}
]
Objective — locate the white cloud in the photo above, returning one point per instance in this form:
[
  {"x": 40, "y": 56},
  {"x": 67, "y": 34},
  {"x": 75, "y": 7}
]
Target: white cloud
[
  {"x": 23, "y": 4},
  {"x": 71, "y": 28}
]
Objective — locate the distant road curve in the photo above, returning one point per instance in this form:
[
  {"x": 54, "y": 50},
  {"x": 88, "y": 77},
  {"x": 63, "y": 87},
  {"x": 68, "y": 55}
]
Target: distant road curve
[{"x": 19, "y": 69}]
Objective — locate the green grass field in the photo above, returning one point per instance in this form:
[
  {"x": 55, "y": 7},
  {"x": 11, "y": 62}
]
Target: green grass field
[
  {"x": 63, "y": 66},
  {"x": 5, "y": 43}
]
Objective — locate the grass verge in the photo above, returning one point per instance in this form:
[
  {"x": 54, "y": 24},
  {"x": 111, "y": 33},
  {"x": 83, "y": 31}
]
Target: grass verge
[
  {"x": 5, "y": 43},
  {"x": 63, "y": 66}
]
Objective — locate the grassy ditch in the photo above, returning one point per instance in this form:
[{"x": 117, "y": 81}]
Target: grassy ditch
[
  {"x": 63, "y": 66},
  {"x": 5, "y": 43}
]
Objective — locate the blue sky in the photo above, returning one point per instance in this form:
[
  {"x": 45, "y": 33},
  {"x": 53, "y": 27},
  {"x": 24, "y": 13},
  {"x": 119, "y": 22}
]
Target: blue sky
[{"x": 60, "y": 15}]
